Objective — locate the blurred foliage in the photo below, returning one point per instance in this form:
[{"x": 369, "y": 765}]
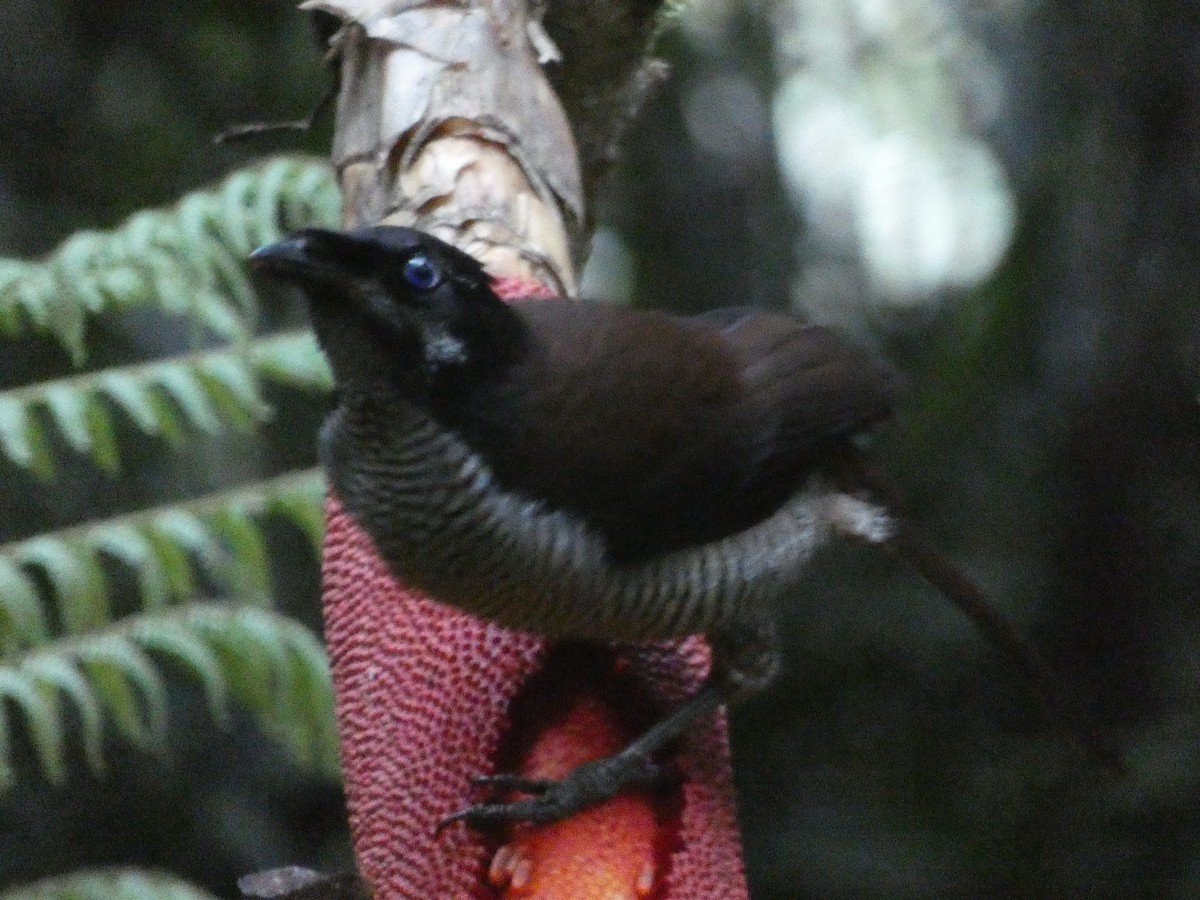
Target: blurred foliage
[
  {"x": 112, "y": 108},
  {"x": 97, "y": 618},
  {"x": 187, "y": 262},
  {"x": 126, "y": 884}
]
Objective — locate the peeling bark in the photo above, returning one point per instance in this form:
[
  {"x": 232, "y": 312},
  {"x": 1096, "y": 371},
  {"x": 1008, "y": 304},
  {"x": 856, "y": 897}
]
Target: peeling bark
[{"x": 447, "y": 123}]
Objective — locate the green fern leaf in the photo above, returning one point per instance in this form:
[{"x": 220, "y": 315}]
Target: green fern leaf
[
  {"x": 278, "y": 670},
  {"x": 134, "y": 548},
  {"x": 84, "y": 422},
  {"x": 251, "y": 567},
  {"x": 247, "y": 664},
  {"x": 188, "y": 531},
  {"x": 231, "y": 229},
  {"x": 208, "y": 390},
  {"x": 95, "y": 275},
  {"x": 172, "y": 559},
  {"x": 129, "y": 687},
  {"x": 69, "y": 411},
  {"x": 230, "y": 271},
  {"x": 76, "y": 579},
  {"x": 133, "y": 396},
  {"x": 170, "y": 638},
  {"x": 13, "y": 272},
  {"x": 301, "y": 501},
  {"x": 103, "y": 437},
  {"x": 271, "y": 665},
  {"x": 22, "y": 621},
  {"x": 194, "y": 295},
  {"x": 108, "y": 884},
  {"x": 187, "y": 260},
  {"x": 30, "y": 291},
  {"x": 115, "y": 285},
  {"x": 48, "y": 669},
  {"x": 60, "y": 317},
  {"x": 219, "y": 317},
  {"x": 272, "y": 185},
  {"x": 22, "y": 438},
  {"x": 233, "y": 389},
  {"x": 164, "y": 549},
  {"x": 40, "y": 713},
  {"x": 182, "y": 385},
  {"x": 169, "y": 420},
  {"x": 293, "y": 359},
  {"x": 308, "y": 705}
]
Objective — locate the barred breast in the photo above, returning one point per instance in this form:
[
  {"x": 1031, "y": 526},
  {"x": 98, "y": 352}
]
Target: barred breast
[{"x": 443, "y": 525}]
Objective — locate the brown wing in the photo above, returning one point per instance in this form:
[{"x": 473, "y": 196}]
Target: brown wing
[
  {"x": 663, "y": 431},
  {"x": 807, "y": 385}
]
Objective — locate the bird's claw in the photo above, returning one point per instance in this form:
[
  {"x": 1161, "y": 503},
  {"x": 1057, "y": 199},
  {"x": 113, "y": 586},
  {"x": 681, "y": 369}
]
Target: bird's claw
[{"x": 584, "y": 786}]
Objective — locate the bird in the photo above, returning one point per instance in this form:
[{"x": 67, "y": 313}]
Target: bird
[{"x": 584, "y": 470}]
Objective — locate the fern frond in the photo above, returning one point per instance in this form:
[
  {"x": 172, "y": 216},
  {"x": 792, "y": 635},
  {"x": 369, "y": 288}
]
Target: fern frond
[
  {"x": 294, "y": 359},
  {"x": 271, "y": 665},
  {"x": 278, "y": 670},
  {"x": 166, "y": 548},
  {"x": 23, "y": 440},
  {"x": 207, "y": 391},
  {"x": 108, "y": 884},
  {"x": 22, "y": 619},
  {"x": 186, "y": 260}
]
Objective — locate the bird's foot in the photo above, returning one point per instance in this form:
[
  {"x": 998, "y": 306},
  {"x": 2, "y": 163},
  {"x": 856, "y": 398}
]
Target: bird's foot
[{"x": 584, "y": 786}]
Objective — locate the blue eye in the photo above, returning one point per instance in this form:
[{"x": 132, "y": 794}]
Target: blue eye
[{"x": 420, "y": 273}]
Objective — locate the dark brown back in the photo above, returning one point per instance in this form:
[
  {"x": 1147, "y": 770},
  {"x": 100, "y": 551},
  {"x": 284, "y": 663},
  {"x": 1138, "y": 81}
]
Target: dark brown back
[{"x": 664, "y": 431}]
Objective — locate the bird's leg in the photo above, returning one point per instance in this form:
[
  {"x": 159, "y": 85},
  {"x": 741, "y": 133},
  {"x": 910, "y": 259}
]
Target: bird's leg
[
  {"x": 592, "y": 782},
  {"x": 745, "y": 659}
]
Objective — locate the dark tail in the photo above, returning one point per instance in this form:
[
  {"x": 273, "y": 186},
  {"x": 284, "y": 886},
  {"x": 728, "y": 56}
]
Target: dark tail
[{"x": 922, "y": 555}]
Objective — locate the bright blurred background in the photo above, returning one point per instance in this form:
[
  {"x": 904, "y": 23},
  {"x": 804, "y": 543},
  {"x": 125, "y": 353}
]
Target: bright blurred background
[{"x": 1002, "y": 195}]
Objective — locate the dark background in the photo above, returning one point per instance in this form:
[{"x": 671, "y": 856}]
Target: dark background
[{"x": 1049, "y": 443}]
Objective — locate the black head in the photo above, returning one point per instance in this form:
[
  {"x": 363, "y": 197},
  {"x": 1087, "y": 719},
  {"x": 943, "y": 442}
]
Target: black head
[{"x": 393, "y": 306}]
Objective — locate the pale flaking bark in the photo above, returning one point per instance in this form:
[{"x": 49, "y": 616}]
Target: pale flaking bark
[{"x": 446, "y": 123}]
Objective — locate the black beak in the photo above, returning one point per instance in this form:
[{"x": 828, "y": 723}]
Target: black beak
[
  {"x": 313, "y": 256},
  {"x": 281, "y": 258}
]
